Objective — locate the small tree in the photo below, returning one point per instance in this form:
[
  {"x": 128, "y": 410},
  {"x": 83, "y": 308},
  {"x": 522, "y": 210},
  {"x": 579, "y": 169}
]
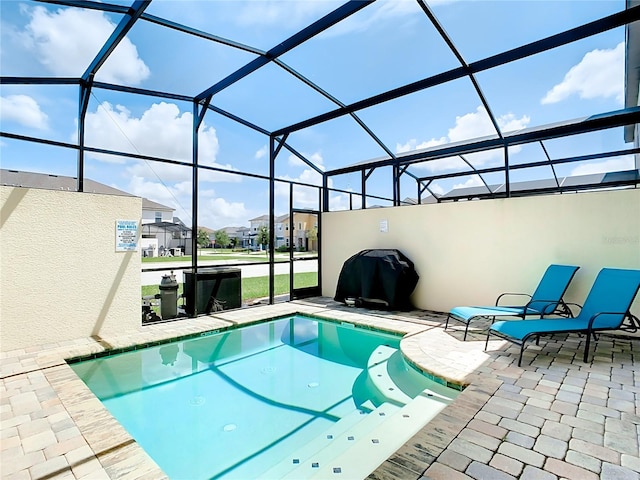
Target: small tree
[
  {"x": 203, "y": 238},
  {"x": 222, "y": 239},
  {"x": 263, "y": 236},
  {"x": 313, "y": 237}
]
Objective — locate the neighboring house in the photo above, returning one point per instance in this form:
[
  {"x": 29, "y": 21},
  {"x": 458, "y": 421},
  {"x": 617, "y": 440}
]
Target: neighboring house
[
  {"x": 243, "y": 235},
  {"x": 153, "y": 212},
  {"x": 210, "y": 233},
  {"x": 305, "y": 230},
  {"x": 240, "y": 234},
  {"x": 160, "y": 229},
  {"x": 172, "y": 237},
  {"x": 255, "y": 225},
  {"x": 16, "y": 178},
  {"x": 281, "y": 235}
]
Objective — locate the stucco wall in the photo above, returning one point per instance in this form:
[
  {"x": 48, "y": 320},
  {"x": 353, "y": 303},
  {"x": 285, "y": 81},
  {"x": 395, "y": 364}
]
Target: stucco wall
[
  {"x": 60, "y": 276},
  {"x": 467, "y": 253}
]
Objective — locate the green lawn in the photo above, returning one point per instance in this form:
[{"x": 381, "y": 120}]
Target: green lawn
[{"x": 257, "y": 287}]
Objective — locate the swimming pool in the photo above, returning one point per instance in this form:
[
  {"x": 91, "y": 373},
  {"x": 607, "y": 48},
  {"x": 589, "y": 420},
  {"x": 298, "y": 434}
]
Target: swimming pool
[{"x": 290, "y": 398}]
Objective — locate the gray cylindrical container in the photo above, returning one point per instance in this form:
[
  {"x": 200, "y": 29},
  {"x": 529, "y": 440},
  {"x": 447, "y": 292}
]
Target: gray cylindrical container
[{"x": 168, "y": 297}]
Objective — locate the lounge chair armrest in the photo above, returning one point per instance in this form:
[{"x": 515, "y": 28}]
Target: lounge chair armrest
[
  {"x": 510, "y": 294},
  {"x": 560, "y": 305},
  {"x": 572, "y": 307},
  {"x": 593, "y": 318},
  {"x": 571, "y": 304}
]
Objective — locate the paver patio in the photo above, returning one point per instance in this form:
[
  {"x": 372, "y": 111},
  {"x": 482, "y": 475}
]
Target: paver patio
[{"x": 555, "y": 417}]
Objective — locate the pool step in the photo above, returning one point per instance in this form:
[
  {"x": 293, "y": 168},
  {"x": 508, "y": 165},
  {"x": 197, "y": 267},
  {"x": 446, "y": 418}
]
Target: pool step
[
  {"x": 325, "y": 446},
  {"x": 399, "y": 383},
  {"x": 379, "y": 443},
  {"x": 377, "y": 369}
]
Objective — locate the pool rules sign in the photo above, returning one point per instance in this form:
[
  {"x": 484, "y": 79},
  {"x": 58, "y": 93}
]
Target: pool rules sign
[{"x": 126, "y": 235}]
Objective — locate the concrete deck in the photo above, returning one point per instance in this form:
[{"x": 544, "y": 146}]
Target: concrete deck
[{"x": 555, "y": 417}]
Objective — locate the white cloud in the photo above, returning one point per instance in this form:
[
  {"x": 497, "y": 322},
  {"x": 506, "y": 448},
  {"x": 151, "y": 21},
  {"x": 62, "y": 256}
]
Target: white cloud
[
  {"x": 600, "y": 73},
  {"x": 315, "y": 158},
  {"x": 214, "y": 212},
  {"x": 68, "y": 39},
  {"x": 218, "y": 213},
  {"x": 414, "y": 145},
  {"x": 436, "y": 188},
  {"x": 298, "y": 14},
  {"x": 470, "y": 125},
  {"x": 23, "y": 110},
  {"x": 472, "y": 182},
  {"x": 367, "y": 18},
  {"x": 610, "y": 165},
  {"x": 262, "y": 152},
  {"x": 340, "y": 201},
  {"x": 277, "y": 12},
  {"x": 161, "y": 131},
  {"x": 306, "y": 197},
  {"x": 176, "y": 195}
]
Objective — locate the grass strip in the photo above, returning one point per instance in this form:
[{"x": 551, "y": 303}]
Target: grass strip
[{"x": 256, "y": 287}]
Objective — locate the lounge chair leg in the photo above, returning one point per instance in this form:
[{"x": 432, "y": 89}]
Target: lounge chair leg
[
  {"x": 486, "y": 343},
  {"x": 464, "y": 339},
  {"x": 521, "y": 352},
  {"x": 446, "y": 324},
  {"x": 586, "y": 348}
]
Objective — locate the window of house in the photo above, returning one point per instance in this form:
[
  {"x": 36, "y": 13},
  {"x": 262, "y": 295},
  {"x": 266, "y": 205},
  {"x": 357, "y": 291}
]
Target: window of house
[
  {"x": 158, "y": 217},
  {"x": 299, "y": 226},
  {"x": 286, "y": 227}
]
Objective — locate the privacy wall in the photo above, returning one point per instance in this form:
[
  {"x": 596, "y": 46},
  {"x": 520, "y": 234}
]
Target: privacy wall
[
  {"x": 61, "y": 277},
  {"x": 467, "y": 253}
]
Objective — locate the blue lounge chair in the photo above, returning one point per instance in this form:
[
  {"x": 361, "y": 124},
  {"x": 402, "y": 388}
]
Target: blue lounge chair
[
  {"x": 605, "y": 308},
  {"x": 546, "y": 300}
]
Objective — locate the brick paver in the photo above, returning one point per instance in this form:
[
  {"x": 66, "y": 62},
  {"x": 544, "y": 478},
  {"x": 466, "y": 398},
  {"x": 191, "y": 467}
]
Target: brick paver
[
  {"x": 507, "y": 464},
  {"x": 568, "y": 471},
  {"x": 555, "y": 417}
]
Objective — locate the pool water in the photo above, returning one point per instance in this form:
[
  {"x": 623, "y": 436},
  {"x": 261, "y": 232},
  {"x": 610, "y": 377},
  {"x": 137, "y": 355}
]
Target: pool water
[{"x": 280, "y": 399}]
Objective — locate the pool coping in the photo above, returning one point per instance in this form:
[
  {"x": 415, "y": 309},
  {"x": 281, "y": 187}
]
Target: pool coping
[{"x": 120, "y": 456}]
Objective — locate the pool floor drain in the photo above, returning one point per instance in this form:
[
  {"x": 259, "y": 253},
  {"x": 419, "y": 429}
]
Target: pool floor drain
[
  {"x": 197, "y": 401},
  {"x": 313, "y": 385},
  {"x": 230, "y": 427}
]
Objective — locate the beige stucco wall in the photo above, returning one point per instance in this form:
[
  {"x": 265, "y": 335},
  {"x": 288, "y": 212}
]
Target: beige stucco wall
[
  {"x": 466, "y": 253},
  {"x": 60, "y": 276}
]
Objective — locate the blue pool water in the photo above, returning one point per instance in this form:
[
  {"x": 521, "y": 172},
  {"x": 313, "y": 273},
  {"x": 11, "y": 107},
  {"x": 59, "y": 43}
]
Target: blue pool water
[{"x": 237, "y": 404}]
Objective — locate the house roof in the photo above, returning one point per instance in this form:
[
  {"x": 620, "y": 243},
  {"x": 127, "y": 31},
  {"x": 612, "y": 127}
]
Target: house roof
[
  {"x": 151, "y": 205},
  {"x": 168, "y": 226},
  {"x": 571, "y": 183},
  {"x": 16, "y": 178},
  {"x": 261, "y": 218}
]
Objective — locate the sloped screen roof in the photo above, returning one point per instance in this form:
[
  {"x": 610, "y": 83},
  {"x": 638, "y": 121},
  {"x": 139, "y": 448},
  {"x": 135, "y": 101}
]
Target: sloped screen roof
[{"x": 391, "y": 99}]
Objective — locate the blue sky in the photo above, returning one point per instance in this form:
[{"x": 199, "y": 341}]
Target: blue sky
[{"x": 383, "y": 46}]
